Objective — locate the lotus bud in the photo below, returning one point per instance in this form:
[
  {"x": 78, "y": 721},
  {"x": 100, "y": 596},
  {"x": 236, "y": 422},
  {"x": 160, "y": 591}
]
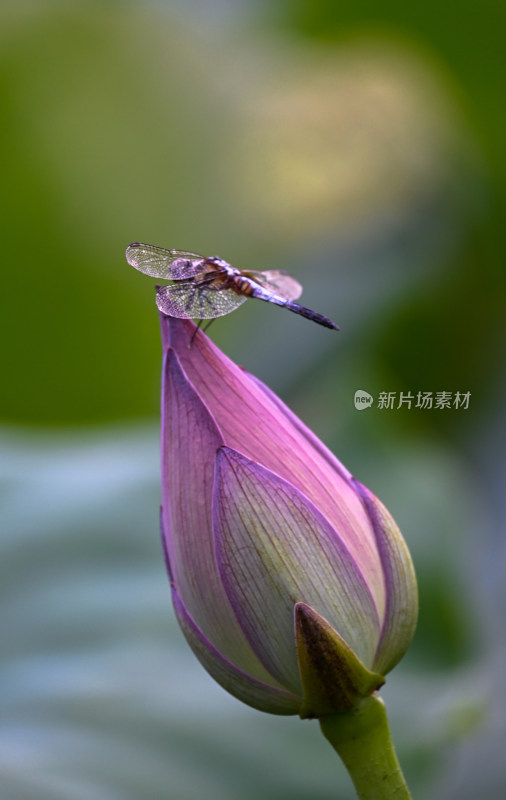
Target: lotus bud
[{"x": 290, "y": 580}]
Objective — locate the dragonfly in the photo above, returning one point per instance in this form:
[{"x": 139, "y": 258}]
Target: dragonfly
[{"x": 204, "y": 287}]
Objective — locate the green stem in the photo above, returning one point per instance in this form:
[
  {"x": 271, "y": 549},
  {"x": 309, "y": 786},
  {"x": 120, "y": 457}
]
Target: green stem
[{"x": 361, "y": 738}]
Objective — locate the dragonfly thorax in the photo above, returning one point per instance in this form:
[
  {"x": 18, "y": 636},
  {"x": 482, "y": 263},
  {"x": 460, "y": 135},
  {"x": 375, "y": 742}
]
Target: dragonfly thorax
[{"x": 224, "y": 265}]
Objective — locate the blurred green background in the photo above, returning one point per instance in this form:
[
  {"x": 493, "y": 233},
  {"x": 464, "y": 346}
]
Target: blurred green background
[{"x": 360, "y": 146}]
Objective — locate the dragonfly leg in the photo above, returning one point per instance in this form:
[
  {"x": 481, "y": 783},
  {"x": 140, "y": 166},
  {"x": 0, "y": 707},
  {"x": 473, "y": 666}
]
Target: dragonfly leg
[
  {"x": 199, "y": 326},
  {"x": 195, "y": 333}
]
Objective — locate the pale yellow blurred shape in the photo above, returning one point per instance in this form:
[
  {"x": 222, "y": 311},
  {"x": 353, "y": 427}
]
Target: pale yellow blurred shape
[
  {"x": 151, "y": 127},
  {"x": 331, "y": 139}
]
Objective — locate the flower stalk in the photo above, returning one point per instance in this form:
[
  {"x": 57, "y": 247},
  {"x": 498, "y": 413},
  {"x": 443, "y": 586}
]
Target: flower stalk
[{"x": 361, "y": 737}]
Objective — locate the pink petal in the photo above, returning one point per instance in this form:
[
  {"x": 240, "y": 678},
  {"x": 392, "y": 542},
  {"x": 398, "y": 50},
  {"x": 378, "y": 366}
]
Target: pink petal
[
  {"x": 251, "y": 421},
  {"x": 275, "y": 549},
  {"x": 190, "y": 439},
  {"x": 268, "y": 697},
  {"x": 402, "y": 595}
]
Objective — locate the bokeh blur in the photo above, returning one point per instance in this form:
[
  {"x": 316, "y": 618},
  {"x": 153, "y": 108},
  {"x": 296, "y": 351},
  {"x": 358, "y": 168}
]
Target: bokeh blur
[{"x": 361, "y": 147}]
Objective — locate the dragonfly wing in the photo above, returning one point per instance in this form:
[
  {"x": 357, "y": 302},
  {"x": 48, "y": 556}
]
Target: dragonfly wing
[
  {"x": 167, "y": 264},
  {"x": 277, "y": 281},
  {"x": 190, "y": 300}
]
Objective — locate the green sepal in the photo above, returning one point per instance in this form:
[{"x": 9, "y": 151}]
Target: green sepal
[{"x": 334, "y": 680}]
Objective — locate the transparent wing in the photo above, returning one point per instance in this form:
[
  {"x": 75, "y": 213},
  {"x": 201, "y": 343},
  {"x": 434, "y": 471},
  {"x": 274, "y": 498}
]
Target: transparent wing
[
  {"x": 197, "y": 301},
  {"x": 277, "y": 281},
  {"x": 168, "y": 264}
]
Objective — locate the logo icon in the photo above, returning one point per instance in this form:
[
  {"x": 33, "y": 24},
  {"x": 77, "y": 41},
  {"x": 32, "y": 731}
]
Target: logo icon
[{"x": 362, "y": 399}]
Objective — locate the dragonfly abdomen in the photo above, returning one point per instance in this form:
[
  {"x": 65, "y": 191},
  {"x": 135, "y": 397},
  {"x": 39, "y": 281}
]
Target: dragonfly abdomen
[
  {"x": 309, "y": 314},
  {"x": 260, "y": 294}
]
